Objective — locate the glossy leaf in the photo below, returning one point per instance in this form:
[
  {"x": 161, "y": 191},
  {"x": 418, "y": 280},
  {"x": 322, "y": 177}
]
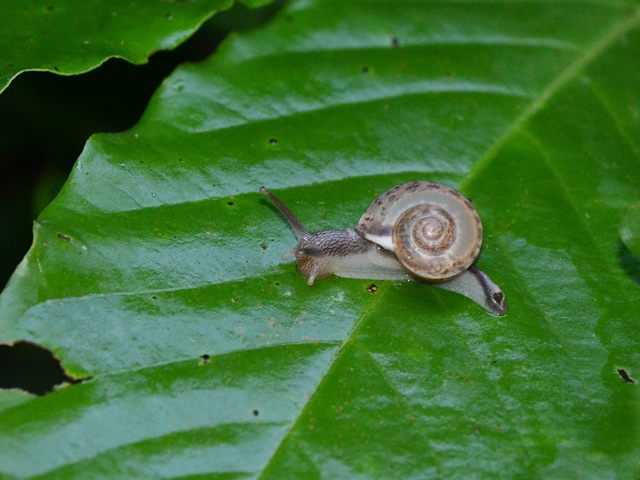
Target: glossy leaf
[
  {"x": 157, "y": 269},
  {"x": 70, "y": 37}
]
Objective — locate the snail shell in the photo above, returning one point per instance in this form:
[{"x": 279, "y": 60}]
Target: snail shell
[{"x": 433, "y": 230}]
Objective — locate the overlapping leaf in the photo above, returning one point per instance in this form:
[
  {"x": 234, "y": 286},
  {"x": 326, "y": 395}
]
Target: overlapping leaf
[
  {"x": 157, "y": 269},
  {"x": 71, "y": 37},
  {"x": 630, "y": 230}
]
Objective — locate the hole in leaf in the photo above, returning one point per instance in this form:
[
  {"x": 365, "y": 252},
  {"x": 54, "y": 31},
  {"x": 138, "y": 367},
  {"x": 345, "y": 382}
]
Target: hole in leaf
[
  {"x": 31, "y": 368},
  {"x": 273, "y": 141}
]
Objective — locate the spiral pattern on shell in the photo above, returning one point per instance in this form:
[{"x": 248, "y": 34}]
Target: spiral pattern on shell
[{"x": 432, "y": 229}]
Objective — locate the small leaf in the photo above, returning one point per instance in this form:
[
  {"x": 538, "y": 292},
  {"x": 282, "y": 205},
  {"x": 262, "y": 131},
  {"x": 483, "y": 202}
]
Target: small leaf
[{"x": 630, "y": 230}]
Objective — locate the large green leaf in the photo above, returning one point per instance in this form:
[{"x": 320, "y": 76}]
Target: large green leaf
[
  {"x": 67, "y": 36},
  {"x": 157, "y": 269}
]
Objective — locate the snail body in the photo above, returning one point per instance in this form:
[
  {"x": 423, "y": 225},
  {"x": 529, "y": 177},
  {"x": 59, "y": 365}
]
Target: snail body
[{"x": 420, "y": 231}]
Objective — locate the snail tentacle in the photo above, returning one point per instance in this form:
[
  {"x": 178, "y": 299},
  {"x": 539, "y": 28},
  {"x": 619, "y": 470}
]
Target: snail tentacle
[{"x": 297, "y": 226}]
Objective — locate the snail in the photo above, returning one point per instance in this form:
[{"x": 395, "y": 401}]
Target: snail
[{"x": 421, "y": 231}]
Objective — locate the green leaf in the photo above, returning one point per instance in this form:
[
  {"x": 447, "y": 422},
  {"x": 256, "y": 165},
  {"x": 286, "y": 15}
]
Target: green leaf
[
  {"x": 71, "y": 37},
  {"x": 157, "y": 269}
]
